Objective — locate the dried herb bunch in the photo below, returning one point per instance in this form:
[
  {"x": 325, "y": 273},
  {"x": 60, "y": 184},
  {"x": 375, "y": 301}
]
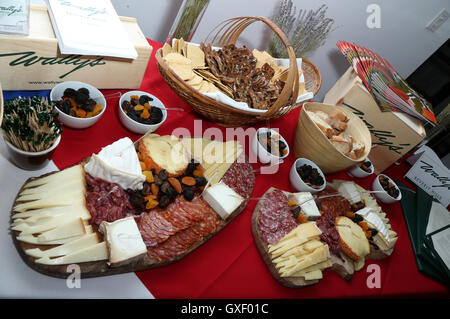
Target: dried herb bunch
[
  {"x": 30, "y": 124},
  {"x": 306, "y": 32},
  {"x": 187, "y": 23}
]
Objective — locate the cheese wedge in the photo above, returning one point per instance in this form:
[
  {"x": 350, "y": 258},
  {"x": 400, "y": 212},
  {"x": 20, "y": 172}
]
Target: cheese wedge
[
  {"x": 73, "y": 172},
  {"x": 48, "y": 223},
  {"x": 307, "y": 204},
  {"x": 39, "y": 216},
  {"x": 71, "y": 228},
  {"x": 124, "y": 241},
  {"x": 295, "y": 237},
  {"x": 319, "y": 255},
  {"x": 57, "y": 189},
  {"x": 30, "y": 239},
  {"x": 95, "y": 252},
  {"x": 352, "y": 238},
  {"x": 66, "y": 249},
  {"x": 58, "y": 199},
  {"x": 223, "y": 199}
]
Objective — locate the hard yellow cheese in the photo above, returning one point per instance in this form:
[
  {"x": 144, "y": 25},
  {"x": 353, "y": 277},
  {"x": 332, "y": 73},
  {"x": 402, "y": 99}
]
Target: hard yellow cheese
[{"x": 95, "y": 252}]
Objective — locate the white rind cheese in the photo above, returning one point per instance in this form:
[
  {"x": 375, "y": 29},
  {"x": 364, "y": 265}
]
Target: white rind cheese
[
  {"x": 124, "y": 241},
  {"x": 307, "y": 204},
  {"x": 350, "y": 192},
  {"x": 371, "y": 217},
  {"x": 222, "y": 199},
  {"x": 117, "y": 163}
]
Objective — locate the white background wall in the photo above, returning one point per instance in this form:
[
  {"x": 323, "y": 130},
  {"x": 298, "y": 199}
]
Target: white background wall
[{"x": 402, "y": 38}]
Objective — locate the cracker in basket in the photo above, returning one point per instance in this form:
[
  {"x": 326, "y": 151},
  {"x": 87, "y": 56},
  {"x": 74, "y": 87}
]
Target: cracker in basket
[
  {"x": 263, "y": 57},
  {"x": 180, "y": 65},
  {"x": 195, "y": 82},
  {"x": 166, "y": 49},
  {"x": 196, "y": 55}
]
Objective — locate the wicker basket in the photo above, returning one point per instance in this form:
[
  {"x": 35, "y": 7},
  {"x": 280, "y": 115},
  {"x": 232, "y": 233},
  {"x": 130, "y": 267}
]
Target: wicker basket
[{"x": 227, "y": 115}]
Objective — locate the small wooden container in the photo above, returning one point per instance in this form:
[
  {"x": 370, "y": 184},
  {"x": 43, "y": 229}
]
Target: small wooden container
[
  {"x": 311, "y": 143},
  {"x": 227, "y": 115}
]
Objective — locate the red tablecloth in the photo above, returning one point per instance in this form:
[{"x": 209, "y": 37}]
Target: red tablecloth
[{"x": 229, "y": 265}]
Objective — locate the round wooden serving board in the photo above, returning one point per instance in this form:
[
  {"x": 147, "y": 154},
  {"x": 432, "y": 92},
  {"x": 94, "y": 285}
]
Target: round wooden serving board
[
  {"x": 291, "y": 282},
  {"x": 101, "y": 268}
]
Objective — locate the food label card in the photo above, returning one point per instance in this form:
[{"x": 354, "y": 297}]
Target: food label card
[
  {"x": 14, "y": 16},
  {"x": 89, "y": 28},
  {"x": 430, "y": 174}
]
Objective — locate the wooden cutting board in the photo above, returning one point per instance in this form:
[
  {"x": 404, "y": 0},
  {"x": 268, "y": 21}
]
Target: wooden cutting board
[
  {"x": 292, "y": 282},
  {"x": 101, "y": 268}
]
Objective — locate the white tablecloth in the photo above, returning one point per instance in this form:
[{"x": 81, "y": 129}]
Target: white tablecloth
[{"x": 20, "y": 281}]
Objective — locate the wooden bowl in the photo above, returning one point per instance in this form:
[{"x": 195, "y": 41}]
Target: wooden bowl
[{"x": 311, "y": 143}]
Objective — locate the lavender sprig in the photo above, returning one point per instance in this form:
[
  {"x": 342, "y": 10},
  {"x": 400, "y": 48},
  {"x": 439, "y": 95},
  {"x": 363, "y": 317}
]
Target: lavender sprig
[{"x": 306, "y": 31}]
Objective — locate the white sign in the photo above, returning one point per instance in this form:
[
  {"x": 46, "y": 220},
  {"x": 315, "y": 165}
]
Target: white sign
[
  {"x": 14, "y": 16},
  {"x": 89, "y": 27},
  {"x": 430, "y": 174}
]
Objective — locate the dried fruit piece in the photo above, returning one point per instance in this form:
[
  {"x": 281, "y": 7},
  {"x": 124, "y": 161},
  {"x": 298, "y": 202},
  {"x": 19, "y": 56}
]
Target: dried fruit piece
[
  {"x": 151, "y": 204},
  {"x": 188, "y": 180},
  {"x": 155, "y": 189},
  {"x": 148, "y": 176},
  {"x": 176, "y": 184}
]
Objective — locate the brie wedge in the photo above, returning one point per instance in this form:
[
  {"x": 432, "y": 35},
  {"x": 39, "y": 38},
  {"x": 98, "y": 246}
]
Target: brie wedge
[
  {"x": 375, "y": 220},
  {"x": 307, "y": 204},
  {"x": 124, "y": 241},
  {"x": 350, "y": 192},
  {"x": 117, "y": 163},
  {"x": 223, "y": 199}
]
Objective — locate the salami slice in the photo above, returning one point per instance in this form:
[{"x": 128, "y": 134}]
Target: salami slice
[{"x": 275, "y": 219}]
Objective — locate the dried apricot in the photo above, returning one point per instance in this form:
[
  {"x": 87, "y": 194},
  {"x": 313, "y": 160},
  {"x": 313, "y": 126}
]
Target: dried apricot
[
  {"x": 154, "y": 189},
  {"x": 188, "y": 180},
  {"x": 175, "y": 184},
  {"x": 148, "y": 176},
  {"x": 143, "y": 166},
  {"x": 151, "y": 204},
  {"x": 292, "y": 203},
  {"x": 145, "y": 114}
]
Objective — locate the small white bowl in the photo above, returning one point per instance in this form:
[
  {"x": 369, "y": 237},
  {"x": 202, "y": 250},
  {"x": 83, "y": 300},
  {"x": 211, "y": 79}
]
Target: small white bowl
[
  {"x": 260, "y": 151},
  {"x": 31, "y": 160},
  {"x": 76, "y": 122},
  {"x": 357, "y": 171},
  {"x": 384, "y": 196},
  {"x": 297, "y": 181},
  {"x": 137, "y": 127}
]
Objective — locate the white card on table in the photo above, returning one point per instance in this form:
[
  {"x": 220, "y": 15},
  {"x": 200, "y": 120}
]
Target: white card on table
[
  {"x": 14, "y": 16},
  {"x": 89, "y": 27}
]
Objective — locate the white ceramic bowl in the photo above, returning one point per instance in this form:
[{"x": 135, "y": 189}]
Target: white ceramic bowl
[
  {"x": 137, "y": 127},
  {"x": 384, "y": 196},
  {"x": 260, "y": 151},
  {"x": 356, "y": 171},
  {"x": 31, "y": 160},
  {"x": 76, "y": 122},
  {"x": 297, "y": 181}
]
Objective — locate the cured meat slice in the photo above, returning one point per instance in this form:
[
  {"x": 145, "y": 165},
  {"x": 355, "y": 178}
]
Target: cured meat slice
[
  {"x": 240, "y": 177},
  {"x": 191, "y": 221},
  {"x": 335, "y": 205},
  {"x": 275, "y": 219},
  {"x": 106, "y": 201}
]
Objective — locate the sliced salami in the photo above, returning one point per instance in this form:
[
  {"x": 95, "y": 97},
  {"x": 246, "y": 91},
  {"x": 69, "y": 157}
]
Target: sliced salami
[{"x": 275, "y": 219}]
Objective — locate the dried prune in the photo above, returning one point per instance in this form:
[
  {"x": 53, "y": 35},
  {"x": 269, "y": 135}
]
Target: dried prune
[
  {"x": 200, "y": 181},
  {"x": 144, "y": 99},
  {"x": 69, "y": 92},
  {"x": 163, "y": 175},
  {"x": 137, "y": 200},
  {"x": 188, "y": 193}
]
